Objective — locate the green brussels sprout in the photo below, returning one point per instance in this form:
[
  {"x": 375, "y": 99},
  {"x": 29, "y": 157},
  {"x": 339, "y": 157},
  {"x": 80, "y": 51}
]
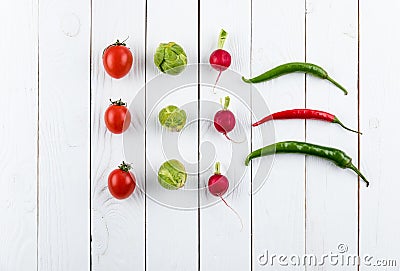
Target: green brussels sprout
[
  {"x": 172, "y": 118},
  {"x": 172, "y": 175},
  {"x": 170, "y": 58}
]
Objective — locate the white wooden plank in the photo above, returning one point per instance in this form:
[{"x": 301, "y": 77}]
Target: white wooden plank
[
  {"x": 171, "y": 232},
  {"x": 18, "y": 135},
  {"x": 64, "y": 34},
  {"x": 331, "y": 195},
  {"x": 118, "y": 238},
  {"x": 379, "y": 102},
  {"x": 278, "y": 207},
  {"x": 224, "y": 245}
]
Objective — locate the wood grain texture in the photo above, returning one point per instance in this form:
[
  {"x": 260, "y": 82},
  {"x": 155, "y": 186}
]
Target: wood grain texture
[
  {"x": 18, "y": 135},
  {"x": 118, "y": 238},
  {"x": 64, "y": 35},
  {"x": 331, "y": 196},
  {"x": 278, "y": 207},
  {"x": 171, "y": 232},
  {"x": 379, "y": 111},
  {"x": 55, "y": 207},
  {"x": 221, "y": 236}
]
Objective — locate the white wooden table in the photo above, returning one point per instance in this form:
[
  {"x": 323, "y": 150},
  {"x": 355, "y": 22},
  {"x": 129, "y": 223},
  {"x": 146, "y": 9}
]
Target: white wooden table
[{"x": 55, "y": 208}]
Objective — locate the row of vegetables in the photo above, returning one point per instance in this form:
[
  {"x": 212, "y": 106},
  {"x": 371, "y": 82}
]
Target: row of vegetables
[{"x": 170, "y": 58}]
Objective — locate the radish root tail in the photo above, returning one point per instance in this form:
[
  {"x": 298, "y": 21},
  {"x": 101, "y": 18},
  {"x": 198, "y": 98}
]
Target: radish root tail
[
  {"x": 236, "y": 213},
  {"x": 216, "y": 81},
  {"x": 230, "y": 139}
]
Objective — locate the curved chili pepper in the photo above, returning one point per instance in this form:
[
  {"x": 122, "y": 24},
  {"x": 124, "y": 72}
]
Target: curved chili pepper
[
  {"x": 287, "y": 68},
  {"x": 340, "y": 158},
  {"x": 303, "y": 114}
]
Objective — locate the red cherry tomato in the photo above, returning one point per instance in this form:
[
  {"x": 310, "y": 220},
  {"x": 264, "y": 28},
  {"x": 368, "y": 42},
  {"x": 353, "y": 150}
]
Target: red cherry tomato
[
  {"x": 117, "y": 117},
  {"x": 117, "y": 60},
  {"x": 121, "y": 182}
]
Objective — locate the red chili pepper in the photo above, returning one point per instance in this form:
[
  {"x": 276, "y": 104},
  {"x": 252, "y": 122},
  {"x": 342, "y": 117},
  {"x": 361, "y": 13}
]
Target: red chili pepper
[{"x": 304, "y": 114}]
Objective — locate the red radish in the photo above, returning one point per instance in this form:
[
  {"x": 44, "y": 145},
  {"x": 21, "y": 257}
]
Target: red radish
[
  {"x": 220, "y": 59},
  {"x": 218, "y": 184},
  {"x": 224, "y": 120}
]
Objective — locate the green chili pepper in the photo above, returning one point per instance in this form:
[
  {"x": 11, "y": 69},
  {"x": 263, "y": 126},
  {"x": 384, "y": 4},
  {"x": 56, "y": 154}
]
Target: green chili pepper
[
  {"x": 340, "y": 158},
  {"x": 287, "y": 68}
]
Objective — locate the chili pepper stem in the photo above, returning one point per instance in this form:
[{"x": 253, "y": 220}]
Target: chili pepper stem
[
  {"x": 246, "y": 80},
  {"x": 352, "y": 167},
  {"x": 337, "y": 84},
  {"x": 336, "y": 120}
]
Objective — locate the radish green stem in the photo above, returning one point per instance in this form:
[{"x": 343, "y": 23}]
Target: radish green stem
[
  {"x": 217, "y": 168},
  {"x": 222, "y": 37},
  {"x": 227, "y": 101}
]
